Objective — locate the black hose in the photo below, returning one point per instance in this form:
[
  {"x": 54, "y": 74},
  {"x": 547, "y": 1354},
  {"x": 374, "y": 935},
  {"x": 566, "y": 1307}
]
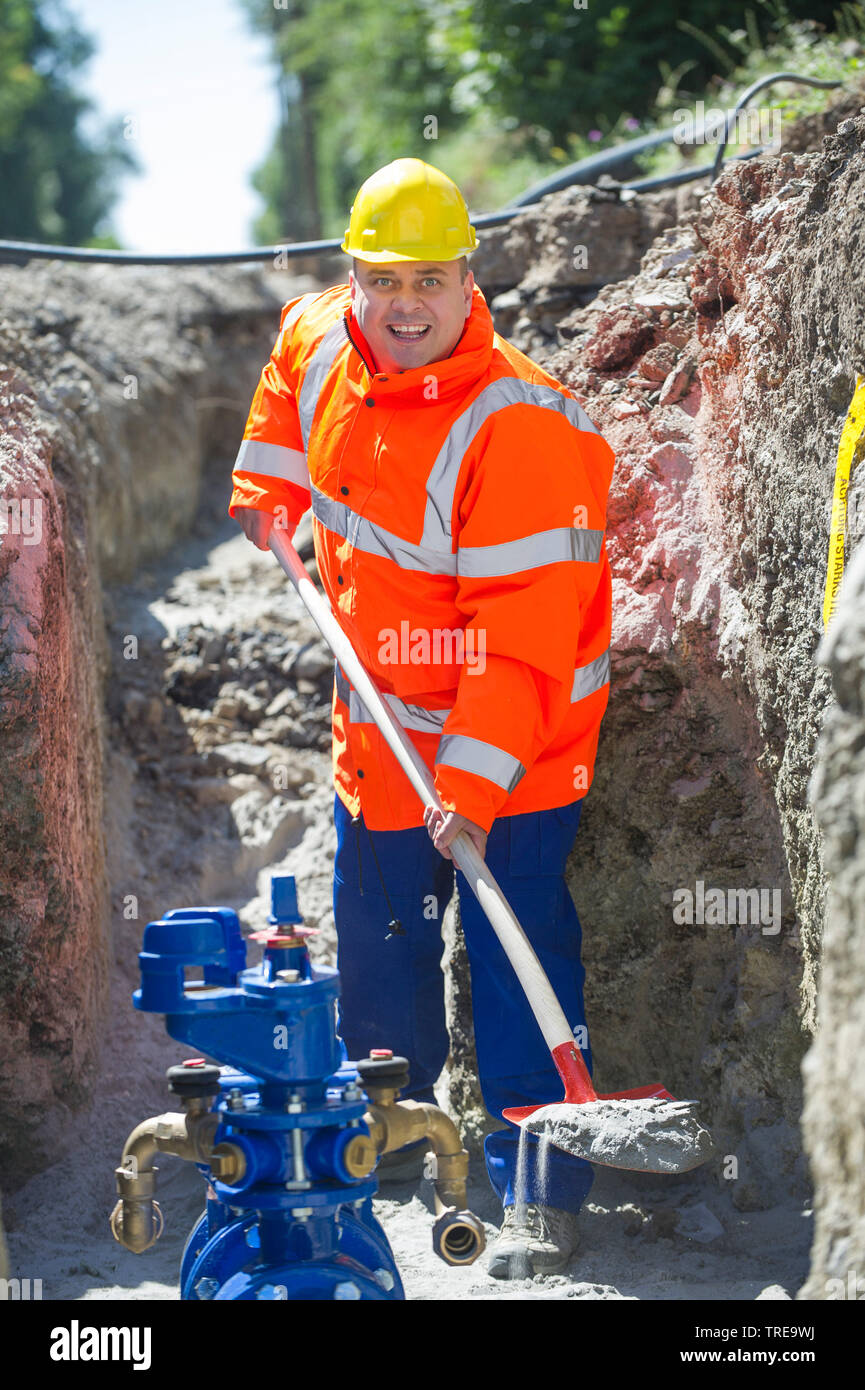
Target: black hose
[
  {"x": 584, "y": 171},
  {"x": 22, "y": 251},
  {"x": 746, "y": 97}
]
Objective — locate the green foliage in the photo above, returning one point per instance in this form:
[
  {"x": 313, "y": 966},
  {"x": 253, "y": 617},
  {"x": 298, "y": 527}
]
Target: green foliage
[
  {"x": 56, "y": 184},
  {"x": 566, "y": 70},
  {"x": 358, "y": 79},
  {"x": 788, "y": 45},
  {"x": 515, "y": 88}
]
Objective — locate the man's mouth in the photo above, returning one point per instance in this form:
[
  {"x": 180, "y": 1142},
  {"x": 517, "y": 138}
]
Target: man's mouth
[{"x": 408, "y": 332}]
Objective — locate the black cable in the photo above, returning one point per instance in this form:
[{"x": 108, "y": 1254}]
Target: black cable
[
  {"x": 22, "y": 251},
  {"x": 585, "y": 171},
  {"x": 395, "y": 926},
  {"x": 746, "y": 96}
]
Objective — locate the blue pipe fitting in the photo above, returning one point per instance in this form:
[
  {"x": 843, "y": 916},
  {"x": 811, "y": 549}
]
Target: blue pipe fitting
[{"x": 292, "y": 1222}]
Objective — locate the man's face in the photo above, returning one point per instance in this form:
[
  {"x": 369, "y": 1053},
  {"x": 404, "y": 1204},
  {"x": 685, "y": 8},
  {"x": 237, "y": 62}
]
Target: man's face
[{"x": 410, "y": 312}]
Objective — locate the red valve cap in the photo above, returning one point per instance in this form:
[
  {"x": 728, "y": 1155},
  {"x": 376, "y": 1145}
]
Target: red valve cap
[{"x": 271, "y": 936}]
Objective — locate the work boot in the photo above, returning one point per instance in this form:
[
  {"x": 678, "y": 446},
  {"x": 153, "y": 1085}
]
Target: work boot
[{"x": 533, "y": 1240}]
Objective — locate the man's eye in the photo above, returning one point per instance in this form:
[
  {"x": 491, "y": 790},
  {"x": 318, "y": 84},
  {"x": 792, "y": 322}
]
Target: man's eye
[{"x": 430, "y": 280}]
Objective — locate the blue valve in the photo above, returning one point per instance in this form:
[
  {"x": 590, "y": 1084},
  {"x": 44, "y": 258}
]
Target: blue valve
[
  {"x": 283, "y": 901},
  {"x": 291, "y": 1221}
]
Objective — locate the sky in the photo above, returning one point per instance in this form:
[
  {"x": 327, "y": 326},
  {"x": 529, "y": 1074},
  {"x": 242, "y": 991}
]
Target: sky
[{"x": 197, "y": 89}]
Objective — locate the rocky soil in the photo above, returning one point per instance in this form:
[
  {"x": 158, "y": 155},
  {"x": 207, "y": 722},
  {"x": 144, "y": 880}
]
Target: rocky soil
[{"x": 204, "y": 811}]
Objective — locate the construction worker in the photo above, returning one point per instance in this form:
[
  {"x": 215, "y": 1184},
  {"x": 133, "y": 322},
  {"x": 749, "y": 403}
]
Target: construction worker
[{"x": 459, "y": 501}]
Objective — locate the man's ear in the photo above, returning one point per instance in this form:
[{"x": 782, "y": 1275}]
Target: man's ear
[
  {"x": 468, "y": 287},
  {"x": 352, "y": 284}
]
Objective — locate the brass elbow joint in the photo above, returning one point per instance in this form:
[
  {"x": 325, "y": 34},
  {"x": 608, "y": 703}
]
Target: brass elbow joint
[
  {"x": 458, "y": 1235},
  {"x": 137, "y": 1221}
]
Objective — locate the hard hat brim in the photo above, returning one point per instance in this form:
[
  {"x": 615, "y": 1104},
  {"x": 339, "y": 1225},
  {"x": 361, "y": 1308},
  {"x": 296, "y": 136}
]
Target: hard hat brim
[{"x": 421, "y": 253}]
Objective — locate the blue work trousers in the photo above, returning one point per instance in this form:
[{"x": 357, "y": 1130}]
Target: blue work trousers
[{"x": 392, "y": 991}]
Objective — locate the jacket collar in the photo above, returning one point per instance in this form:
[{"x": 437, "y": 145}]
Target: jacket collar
[{"x": 468, "y": 361}]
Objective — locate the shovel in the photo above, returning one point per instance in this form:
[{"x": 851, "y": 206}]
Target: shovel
[{"x": 644, "y": 1129}]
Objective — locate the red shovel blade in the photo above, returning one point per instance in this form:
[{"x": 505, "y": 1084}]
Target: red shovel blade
[
  {"x": 578, "y": 1086},
  {"x": 515, "y": 1114}
]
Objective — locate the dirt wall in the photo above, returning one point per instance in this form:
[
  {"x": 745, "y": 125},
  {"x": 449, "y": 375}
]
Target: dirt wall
[{"x": 116, "y": 385}]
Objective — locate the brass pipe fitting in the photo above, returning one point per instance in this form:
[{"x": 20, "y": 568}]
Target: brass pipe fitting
[
  {"x": 458, "y": 1235},
  {"x": 136, "y": 1221},
  {"x": 360, "y": 1156}
]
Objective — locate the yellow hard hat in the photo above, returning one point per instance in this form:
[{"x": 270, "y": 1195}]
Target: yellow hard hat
[{"x": 409, "y": 211}]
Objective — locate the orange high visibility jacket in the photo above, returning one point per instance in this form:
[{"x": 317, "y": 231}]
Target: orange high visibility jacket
[{"x": 459, "y": 514}]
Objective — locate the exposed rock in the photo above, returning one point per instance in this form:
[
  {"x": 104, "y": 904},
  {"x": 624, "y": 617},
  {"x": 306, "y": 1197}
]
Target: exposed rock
[
  {"x": 54, "y": 932},
  {"x": 240, "y": 756},
  {"x": 834, "y": 1082},
  {"x": 266, "y": 825},
  {"x": 718, "y": 531},
  {"x": 312, "y": 662},
  {"x": 699, "y": 1223},
  {"x": 558, "y": 254}
]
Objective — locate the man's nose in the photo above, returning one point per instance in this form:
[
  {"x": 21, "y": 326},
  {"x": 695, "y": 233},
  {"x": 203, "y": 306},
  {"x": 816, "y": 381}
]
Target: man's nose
[{"x": 406, "y": 302}]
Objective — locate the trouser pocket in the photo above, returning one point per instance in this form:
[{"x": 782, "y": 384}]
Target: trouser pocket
[{"x": 540, "y": 841}]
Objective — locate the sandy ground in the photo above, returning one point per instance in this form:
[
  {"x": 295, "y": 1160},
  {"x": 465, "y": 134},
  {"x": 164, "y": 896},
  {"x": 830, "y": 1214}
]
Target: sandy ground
[{"x": 642, "y": 1236}]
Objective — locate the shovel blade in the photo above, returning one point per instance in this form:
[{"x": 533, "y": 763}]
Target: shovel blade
[
  {"x": 515, "y": 1114},
  {"x": 659, "y": 1135}
]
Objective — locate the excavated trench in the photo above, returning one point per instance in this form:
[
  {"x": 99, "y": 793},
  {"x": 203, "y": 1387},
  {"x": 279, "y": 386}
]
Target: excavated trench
[
  {"x": 218, "y": 775},
  {"x": 158, "y": 676}
]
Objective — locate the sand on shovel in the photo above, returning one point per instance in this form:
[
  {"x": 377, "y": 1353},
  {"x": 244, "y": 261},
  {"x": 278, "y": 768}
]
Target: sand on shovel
[{"x": 659, "y": 1136}]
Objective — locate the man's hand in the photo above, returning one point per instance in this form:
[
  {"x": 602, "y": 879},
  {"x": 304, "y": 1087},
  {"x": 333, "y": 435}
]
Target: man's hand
[
  {"x": 256, "y": 525},
  {"x": 443, "y": 829}
]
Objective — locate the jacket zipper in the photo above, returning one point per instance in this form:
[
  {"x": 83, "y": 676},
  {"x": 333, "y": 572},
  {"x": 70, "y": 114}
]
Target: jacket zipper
[{"x": 355, "y": 346}]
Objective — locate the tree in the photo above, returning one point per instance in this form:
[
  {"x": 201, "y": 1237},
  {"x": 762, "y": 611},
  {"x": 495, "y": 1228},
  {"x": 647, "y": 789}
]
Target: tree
[
  {"x": 559, "y": 68},
  {"x": 358, "y": 80},
  {"x": 56, "y": 184},
  {"x": 361, "y": 80}
]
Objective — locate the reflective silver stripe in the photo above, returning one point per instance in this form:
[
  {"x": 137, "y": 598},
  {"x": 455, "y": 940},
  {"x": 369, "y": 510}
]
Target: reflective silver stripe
[
  {"x": 273, "y": 461},
  {"x": 343, "y": 689},
  {"x": 424, "y": 721},
  {"x": 530, "y": 552},
  {"x": 291, "y": 318},
  {"x": 509, "y": 390},
  {"x": 320, "y": 364},
  {"x": 484, "y": 759},
  {"x": 375, "y": 540},
  {"x": 474, "y": 561},
  {"x": 588, "y": 679},
  {"x": 357, "y": 710}
]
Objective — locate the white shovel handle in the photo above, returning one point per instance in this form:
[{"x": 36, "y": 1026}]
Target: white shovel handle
[{"x": 529, "y": 971}]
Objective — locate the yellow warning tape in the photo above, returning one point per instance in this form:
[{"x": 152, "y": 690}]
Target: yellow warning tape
[{"x": 852, "y": 432}]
